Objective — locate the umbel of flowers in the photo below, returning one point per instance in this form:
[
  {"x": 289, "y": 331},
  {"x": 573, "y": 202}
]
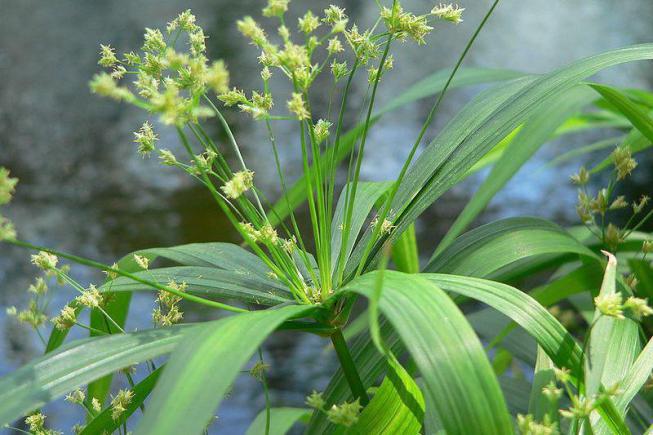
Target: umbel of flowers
[{"x": 172, "y": 77}]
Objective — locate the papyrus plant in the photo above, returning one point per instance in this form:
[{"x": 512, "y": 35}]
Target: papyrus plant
[{"x": 413, "y": 361}]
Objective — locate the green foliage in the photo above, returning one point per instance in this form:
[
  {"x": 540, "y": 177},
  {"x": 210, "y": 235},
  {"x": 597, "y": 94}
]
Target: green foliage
[{"x": 414, "y": 361}]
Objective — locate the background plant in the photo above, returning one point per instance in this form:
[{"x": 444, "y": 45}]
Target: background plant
[{"x": 325, "y": 293}]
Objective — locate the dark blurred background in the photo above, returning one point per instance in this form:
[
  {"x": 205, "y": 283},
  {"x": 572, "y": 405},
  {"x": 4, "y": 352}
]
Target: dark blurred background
[{"x": 84, "y": 189}]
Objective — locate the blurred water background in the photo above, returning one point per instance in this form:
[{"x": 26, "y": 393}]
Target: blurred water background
[{"x": 84, "y": 189}]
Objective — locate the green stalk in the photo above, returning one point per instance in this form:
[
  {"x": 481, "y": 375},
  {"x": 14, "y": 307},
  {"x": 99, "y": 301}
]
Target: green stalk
[
  {"x": 349, "y": 368},
  {"x": 427, "y": 123}
]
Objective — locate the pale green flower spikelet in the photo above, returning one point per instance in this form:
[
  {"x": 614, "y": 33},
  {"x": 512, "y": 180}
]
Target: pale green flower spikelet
[
  {"x": 35, "y": 422},
  {"x": 362, "y": 44},
  {"x": 7, "y": 186},
  {"x": 297, "y": 106},
  {"x": 185, "y": 21},
  {"x": 639, "y": 205},
  {"x": 204, "y": 162},
  {"x": 76, "y": 396},
  {"x": 386, "y": 225},
  {"x": 582, "y": 178},
  {"x": 562, "y": 374},
  {"x": 269, "y": 235},
  {"x": 233, "y": 97},
  {"x": 167, "y": 158},
  {"x": 258, "y": 370},
  {"x": 321, "y": 130},
  {"x": 33, "y": 315},
  {"x": 240, "y": 183},
  {"x": 146, "y": 139},
  {"x": 613, "y": 236},
  {"x": 334, "y": 46},
  {"x": 623, "y": 162},
  {"x": 373, "y": 72},
  {"x": 647, "y": 246},
  {"x": 345, "y": 414},
  {"x": 7, "y": 230},
  {"x": 528, "y": 426},
  {"x": 250, "y": 232},
  {"x": 153, "y": 41},
  {"x": 142, "y": 261},
  {"x": 552, "y": 392},
  {"x": 405, "y": 24},
  {"x": 618, "y": 203},
  {"x": 120, "y": 402},
  {"x": 66, "y": 318},
  {"x": 610, "y": 305},
  {"x": 276, "y": 8},
  {"x": 638, "y": 306},
  {"x": 289, "y": 245},
  {"x": 308, "y": 23},
  {"x": 266, "y": 74},
  {"x": 336, "y": 17},
  {"x": 91, "y": 297},
  {"x": 251, "y": 30},
  {"x": 316, "y": 401},
  {"x": 45, "y": 261},
  {"x": 449, "y": 12},
  {"x": 105, "y": 85},
  {"x": 39, "y": 287},
  {"x": 167, "y": 313},
  {"x": 259, "y": 106},
  {"x": 339, "y": 70},
  {"x": 581, "y": 407},
  {"x": 96, "y": 405},
  {"x": 107, "y": 56},
  {"x": 217, "y": 77}
]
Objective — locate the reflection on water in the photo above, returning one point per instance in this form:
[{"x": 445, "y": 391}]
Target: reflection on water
[{"x": 84, "y": 189}]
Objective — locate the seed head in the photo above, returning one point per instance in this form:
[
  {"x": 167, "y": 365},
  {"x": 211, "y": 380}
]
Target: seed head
[
  {"x": 276, "y": 8},
  {"x": 217, "y": 77},
  {"x": 90, "y": 297},
  {"x": 232, "y": 97},
  {"x": 154, "y": 42},
  {"x": 7, "y": 186},
  {"x": 449, "y": 12},
  {"x": 258, "y": 370},
  {"x": 185, "y": 21},
  {"x": 297, "y": 106},
  {"x": 316, "y": 400},
  {"x": 240, "y": 183},
  {"x": 250, "y": 29},
  {"x": 39, "y": 287},
  {"x": 405, "y": 24},
  {"x": 167, "y": 158},
  {"x": 197, "y": 42},
  {"x": 562, "y": 374},
  {"x": 308, "y": 23},
  {"x": 619, "y": 203},
  {"x": 552, "y": 392},
  {"x": 7, "y": 230},
  {"x": 581, "y": 178},
  {"x": 146, "y": 139},
  {"x": 613, "y": 236},
  {"x": 96, "y": 405},
  {"x": 120, "y": 402},
  {"x": 251, "y": 232},
  {"x": 76, "y": 396},
  {"x": 35, "y": 422},
  {"x": 639, "y": 206},
  {"x": 45, "y": 261},
  {"x": 66, "y": 318},
  {"x": 623, "y": 162},
  {"x": 142, "y": 261},
  {"x": 107, "y": 56},
  {"x": 345, "y": 414},
  {"x": 610, "y": 305},
  {"x": 638, "y": 306},
  {"x": 321, "y": 129},
  {"x": 269, "y": 235}
]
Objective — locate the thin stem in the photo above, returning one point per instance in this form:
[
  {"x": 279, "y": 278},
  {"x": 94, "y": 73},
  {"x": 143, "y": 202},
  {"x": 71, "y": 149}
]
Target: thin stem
[{"x": 349, "y": 368}]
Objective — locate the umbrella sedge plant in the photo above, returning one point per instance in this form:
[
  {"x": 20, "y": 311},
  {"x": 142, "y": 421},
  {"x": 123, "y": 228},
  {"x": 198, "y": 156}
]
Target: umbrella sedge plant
[{"x": 413, "y": 362}]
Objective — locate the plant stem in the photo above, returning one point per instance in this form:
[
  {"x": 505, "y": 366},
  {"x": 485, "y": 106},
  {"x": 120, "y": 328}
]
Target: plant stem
[{"x": 349, "y": 368}]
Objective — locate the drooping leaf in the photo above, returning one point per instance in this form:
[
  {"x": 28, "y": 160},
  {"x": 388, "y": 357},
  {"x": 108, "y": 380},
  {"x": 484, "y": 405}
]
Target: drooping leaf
[
  {"x": 535, "y": 132},
  {"x": 281, "y": 420},
  {"x": 104, "y": 422},
  {"x": 475, "y": 130},
  {"x": 635, "y": 114},
  {"x": 203, "y": 368},
  {"x": 488, "y": 248},
  {"x": 210, "y": 282},
  {"x": 78, "y": 363},
  {"x": 449, "y": 357}
]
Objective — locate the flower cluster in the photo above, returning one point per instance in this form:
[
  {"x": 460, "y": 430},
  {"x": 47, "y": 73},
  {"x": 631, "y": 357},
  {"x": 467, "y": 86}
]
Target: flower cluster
[
  {"x": 167, "y": 311},
  {"x": 613, "y": 305},
  {"x": 120, "y": 402},
  {"x": 7, "y": 188},
  {"x": 528, "y": 426},
  {"x": 36, "y": 425},
  {"x": 593, "y": 210}
]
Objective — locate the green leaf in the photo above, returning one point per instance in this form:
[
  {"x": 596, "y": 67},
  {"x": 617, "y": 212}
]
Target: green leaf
[
  {"x": 431, "y": 85},
  {"x": 480, "y": 125},
  {"x": 405, "y": 253},
  {"x": 488, "y": 248},
  {"x": 539, "y": 405},
  {"x": 281, "y": 420},
  {"x": 635, "y": 114},
  {"x": 613, "y": 344},
  {"x": 78, "y": 363},
  {"x": 449, "y": 357},
  {"x": 203, "y": 368},
  {"x": 367, "y": 194},
  {"x": 211, "y": 282},
  {"x": 554, "y": 339},
  {"x": 104, "y": 423},
  {"x": 396, "y": 408},
  {"x": 535, "y": 132}
]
